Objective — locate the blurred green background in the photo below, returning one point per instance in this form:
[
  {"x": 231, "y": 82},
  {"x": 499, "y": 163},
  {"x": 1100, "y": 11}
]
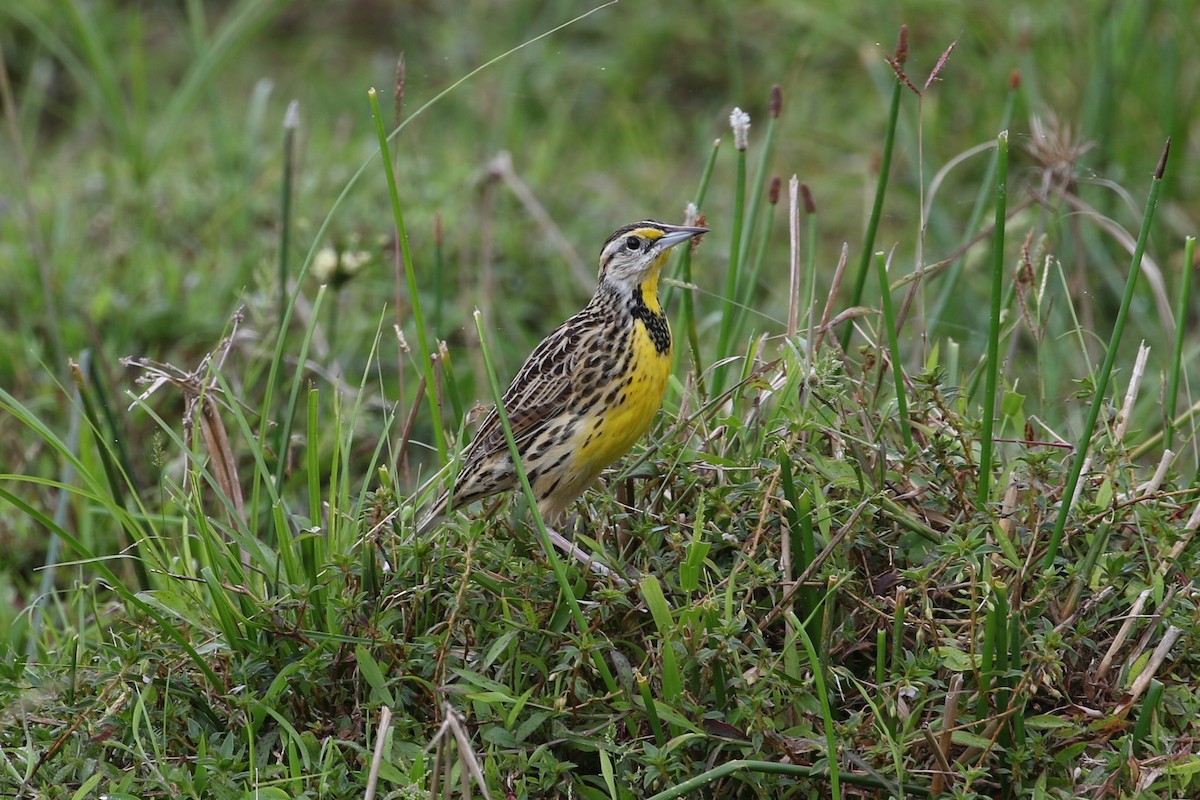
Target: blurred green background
[{"x": 156, "y": 217}]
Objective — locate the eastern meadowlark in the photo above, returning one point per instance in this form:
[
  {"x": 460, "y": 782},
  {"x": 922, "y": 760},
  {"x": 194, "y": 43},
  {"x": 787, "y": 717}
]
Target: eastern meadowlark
[{"x": 588, "y": 391}]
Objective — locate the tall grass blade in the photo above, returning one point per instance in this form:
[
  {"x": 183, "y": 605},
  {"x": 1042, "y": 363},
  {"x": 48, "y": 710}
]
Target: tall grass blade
[
  {"x": 893, "y": 339},
  {"x": 740, "y": 122},
  {"x": 684, "y": 269},
  {"x": 1183, "y": 303},
  {"x": 291, "y": 121},
  {"x": 954, "y": 272},
  {"x": 992, "y": 369},
  {"x": 1102, "y": 378},
  {"x": 885, "y": 168},
  {"x": 410, "y": 275}
]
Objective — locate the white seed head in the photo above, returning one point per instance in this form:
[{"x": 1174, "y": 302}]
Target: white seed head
[
  {"x": 690, "y": 214},
  {"x": 740, "y": 122},
  {"x": 354, "y": 260},
  {"x": 291, "y": 119},
  {"x": 324, "y": 264}
]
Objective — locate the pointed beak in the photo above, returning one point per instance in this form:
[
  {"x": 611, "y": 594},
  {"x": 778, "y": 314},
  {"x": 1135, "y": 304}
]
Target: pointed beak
[{"x": 676, "y": 234}]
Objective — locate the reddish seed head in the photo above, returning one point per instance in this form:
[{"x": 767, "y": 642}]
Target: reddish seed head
[
  {"x": 1014, "y": 79},
  {"x": 902, "y": 45},
  {"x": 776, "y": 101},
  {"x": 773, "y": 192},
  {"x": 1162, "y": 161},
  {"x": 810, "y": 205}
]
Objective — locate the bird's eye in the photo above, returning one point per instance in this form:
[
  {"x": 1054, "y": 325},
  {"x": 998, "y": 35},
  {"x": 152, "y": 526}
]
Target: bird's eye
[{"x": 633, "y": 243}]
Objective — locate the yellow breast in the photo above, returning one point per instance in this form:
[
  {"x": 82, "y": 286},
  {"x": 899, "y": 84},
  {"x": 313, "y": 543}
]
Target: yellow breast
[{"x": 636, "y": 398}]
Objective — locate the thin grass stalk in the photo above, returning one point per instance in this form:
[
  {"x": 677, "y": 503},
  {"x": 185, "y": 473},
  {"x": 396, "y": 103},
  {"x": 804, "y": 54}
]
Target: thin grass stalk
[
  {"x": 1015, "y": 666},
  {"x": 1176, "y": 365},
  {"x": 750, "y": 238},
  {"x": 684, "y": 268},
  {"x": 333, "y": 520},
  {"x": 291, "y": 120},
  {"x": 61, "y": 509},
  {"x": 289, "y": 414},
  {"x": 760, "y": 176},
  {"x": 643, "y": 687},
  {"x": 889, "y": 322},
  {"x": 793, "y": 241},
  {"x": 560, "y": 572},
  {"x": 992, "y": 370},
  {"x": 950, "y": 282},
  {"x": 664, "y": 621},
  {"x": 1000, "y": 664},
  {"x": 831, "y": 741},
  {"x": 313, "y": 457},
  {"x": 810, "y": 285},
  {"x": 1102, "y": 378},
  {"x": 750, "y": 285},
  {"x": 898, "y": 631},
  {"x": 410, "y": 275},
  {"x": 881, "y": 658},
  {"x": 117, "y": 478},
  {"x": 987, "y": 661},
  {"x": 800, "y": 528},
  {"x": 885, "y": 167},
  {"x": 313, "y": 553},
  {"x": 683, "y": 264},
  {"x": 729, "y": 313},
  {"x": 116, "y": 439},
  {"x": 697, "y": 549},
  {"x": 289, "y": 561},
  {"x": 789, "y": 548}
]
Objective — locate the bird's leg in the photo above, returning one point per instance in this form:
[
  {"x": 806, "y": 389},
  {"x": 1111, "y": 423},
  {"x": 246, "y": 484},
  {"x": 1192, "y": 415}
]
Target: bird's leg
[{"x": 584, "y": 557}]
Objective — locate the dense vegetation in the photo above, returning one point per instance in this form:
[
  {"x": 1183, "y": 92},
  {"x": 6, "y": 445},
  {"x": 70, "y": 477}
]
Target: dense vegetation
[{"x": 917, "y": 517}]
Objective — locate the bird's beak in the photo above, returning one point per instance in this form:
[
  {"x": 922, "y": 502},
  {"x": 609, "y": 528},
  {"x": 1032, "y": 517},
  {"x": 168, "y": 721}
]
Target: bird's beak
[{"x": 676, "y": 234}]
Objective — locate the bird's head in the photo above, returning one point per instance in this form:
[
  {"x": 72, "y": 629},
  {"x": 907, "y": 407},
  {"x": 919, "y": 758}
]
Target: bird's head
[{"x": 635, "y": 253}]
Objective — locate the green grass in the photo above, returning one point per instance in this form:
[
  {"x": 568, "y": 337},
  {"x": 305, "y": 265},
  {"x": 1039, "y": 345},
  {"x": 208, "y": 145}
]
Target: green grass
[{"x": 213, "y": 589}]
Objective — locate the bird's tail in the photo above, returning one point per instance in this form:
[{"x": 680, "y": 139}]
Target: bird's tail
[{"x": 433, "y": 514}]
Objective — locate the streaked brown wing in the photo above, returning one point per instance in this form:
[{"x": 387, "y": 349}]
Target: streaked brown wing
[{"x": 540, "y": 391}]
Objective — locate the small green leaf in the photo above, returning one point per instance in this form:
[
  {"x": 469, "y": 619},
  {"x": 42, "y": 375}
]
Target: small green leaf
[
  {"x": 368, "y": 667},
  {"x": 954, "y": 659},
  {"x": 1048, "y": 722},
  {"x": 1012, "y": 404},
  {"x": 968, "y": 739}
]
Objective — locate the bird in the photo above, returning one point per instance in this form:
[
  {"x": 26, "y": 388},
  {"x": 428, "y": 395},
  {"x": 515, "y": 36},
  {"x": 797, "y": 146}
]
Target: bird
[{"x": 588, "y": 391}]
